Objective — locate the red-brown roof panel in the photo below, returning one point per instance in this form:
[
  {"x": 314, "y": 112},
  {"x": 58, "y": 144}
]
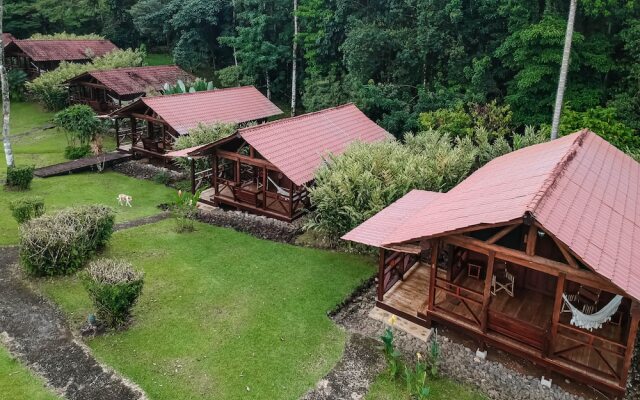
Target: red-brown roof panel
[
  {"x": 137, "y": 80},
  {"x": 298, "y": 145},
  {"x": 185, "y": 111},
  {"x": 64, "y": 50}
]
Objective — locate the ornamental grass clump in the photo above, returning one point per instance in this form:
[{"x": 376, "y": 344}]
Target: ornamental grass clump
[
  {"x": 114, "y": 287},
  {"x": 185, "y": 210},
  {"x": 61, "y": 243}
]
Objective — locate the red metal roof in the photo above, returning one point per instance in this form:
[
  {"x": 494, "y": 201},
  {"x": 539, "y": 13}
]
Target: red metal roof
[
  {"x": 580, "y": 188},
  {"x": 375, "y": 231},
  {"x": 136, "y": 80},
  {"x": 298, "y": 145},
  {"x": 185, "y": 111},
  {"x": 7, "y": 38},
  {"x": 64, "y": 50}
]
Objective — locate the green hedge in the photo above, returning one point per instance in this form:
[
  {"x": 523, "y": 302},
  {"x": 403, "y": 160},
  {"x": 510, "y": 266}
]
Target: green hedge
[
  {"x": 20, "y": 178},
  {"x": 27, "y": 208},
  {"x": 114, "y": 287},
  {"x": 61, "y": 243}
]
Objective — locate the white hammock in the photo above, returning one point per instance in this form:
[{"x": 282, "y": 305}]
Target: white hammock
[{"x": 595, "y": 320}]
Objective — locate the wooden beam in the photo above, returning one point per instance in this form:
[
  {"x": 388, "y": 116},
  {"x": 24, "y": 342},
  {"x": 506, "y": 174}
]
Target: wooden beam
[
  {"x": 631, "y": 342},
  {"x": 435, "y": 247},
  {"x": 532, "y": 236},
  {"x": 193, "y": 175},
  {"x": 380, "y": 288},
  {"x": 502, "y": 233},
  {"x": 146, "y": 118},
  {"x": 248, "y": 160},
  {"x": 538, "y": 263},
  {"x": 486, "y": 295},
  {"x": 555, "y": 317},
  {"x": 566, "y": 253}
]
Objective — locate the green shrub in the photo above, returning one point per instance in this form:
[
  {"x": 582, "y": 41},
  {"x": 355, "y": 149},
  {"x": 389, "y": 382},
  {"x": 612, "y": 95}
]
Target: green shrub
[
  {"x": 603, "y": 121},
  {"x": 82, "y": 126},
  {"x": 114, "y": 287},
  {"x": 49, "y": 87},
  {"x": 26, "y": 208},
  {"x": 75, "y": 152},
  {"x": 61, "y": 243},
  {"x": 16, "y": 79},
  {"x": 202, "y": 134},
  {"x": 19, "y": 178},
  {"x": 185, "y": 209}
]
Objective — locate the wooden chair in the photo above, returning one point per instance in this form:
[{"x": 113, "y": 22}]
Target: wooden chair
[{"x": 503, "y": 280}]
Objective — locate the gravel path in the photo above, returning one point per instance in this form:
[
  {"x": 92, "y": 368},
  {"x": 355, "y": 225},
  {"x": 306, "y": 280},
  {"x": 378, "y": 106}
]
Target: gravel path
[
  {"x": 350, "y": 378},
  {"x": 36, "y": 332},
  {"x": 142, "y": 221}
]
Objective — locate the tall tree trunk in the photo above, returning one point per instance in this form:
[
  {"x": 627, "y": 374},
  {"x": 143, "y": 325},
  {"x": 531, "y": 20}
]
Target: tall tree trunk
[
  {"x": 564, "y": 68},
  {"x": 8, "y": 153},
  {"x": 294, "y": 59},
  {"x": 266, "y": 77},
  {"x": 235, "y": 57}
]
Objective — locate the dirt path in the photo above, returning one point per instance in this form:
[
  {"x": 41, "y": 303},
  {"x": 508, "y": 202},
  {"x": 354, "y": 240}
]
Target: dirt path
[
  {"x": 350, "y": 378},
  {"x": 35, "y": 331}
]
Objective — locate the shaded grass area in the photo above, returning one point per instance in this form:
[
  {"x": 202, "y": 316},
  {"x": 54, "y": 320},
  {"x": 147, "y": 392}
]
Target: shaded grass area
[
  {"x": 223, "y": 315},
  {"x": 18, "y": 383},
  {"x": 86, "y": 188},
  {"x": 385, "y": 388},
  {"x": 33, "y": 145}
]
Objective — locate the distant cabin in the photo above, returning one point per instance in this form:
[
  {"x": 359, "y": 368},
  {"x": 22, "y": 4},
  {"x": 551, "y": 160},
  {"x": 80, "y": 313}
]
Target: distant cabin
[
  {"x": 107, "y": 90},
  {"x": 7, "y": 38},
  {"x": 536, "y": 253},
  {"x": 37, "y": 56},
  {"x": 150, "y": 125},
  {"x": 267, "y": 169}
]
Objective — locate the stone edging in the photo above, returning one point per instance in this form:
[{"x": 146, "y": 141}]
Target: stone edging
[{"x": 256, "y": 225}]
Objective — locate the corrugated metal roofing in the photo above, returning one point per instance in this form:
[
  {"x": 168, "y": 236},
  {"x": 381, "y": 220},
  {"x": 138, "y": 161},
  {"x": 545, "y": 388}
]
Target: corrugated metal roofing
[
  {"x": 185, "y": 111},
  {"x": 64, "y": 50},
  {"x": 375, "y": 231},
  {"x": 579, "y": 187},
  {"x": 136, "y": 80},
  {"x": 298, "y": 145},
  {"x": 7, "y": 38}
]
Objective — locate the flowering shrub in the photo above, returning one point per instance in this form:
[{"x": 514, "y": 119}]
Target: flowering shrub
[
  {"x": 61, "y": 243},
  {"x": 185, "y": 209},
  {"x": 114, "y": 287},
  {"x": 391, "y": 354}
]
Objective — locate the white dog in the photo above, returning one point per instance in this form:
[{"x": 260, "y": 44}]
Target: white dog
[{"x": 124, "y": 199}]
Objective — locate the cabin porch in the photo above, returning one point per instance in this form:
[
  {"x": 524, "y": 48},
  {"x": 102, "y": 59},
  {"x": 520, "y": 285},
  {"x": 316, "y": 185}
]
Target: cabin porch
[
  {"x": 146, "y": 137},
  {"x": 522, "y": 323}
]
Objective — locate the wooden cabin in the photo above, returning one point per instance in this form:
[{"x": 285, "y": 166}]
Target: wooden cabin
[
  {"x": 494, "y": 256},
  {"x": 7, "y": 38},
  {"x": 107, "y": 90},
  {"x": 37, "y": 56},
  {"x": 150, "y": 125},
  {"x": 267, "y": 169}
]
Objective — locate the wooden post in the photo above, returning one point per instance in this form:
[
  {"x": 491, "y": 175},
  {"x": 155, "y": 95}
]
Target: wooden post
[
  {"x": 133, "y": 131},
  {"x": 631, "y": 342},
  {"x": 434, "y": 273},
  {"x": 555, "y": 318},
  {"x": 381, "y": 275},
  {"x": 214, "y": 178},
  {"x": 531, "y": 240},
  {"x": 486, "y": 295},
  {"x": 193, "y": 175},
  {"x": 290, "y": 198},
  {"x": 264, "y": 186},
  {"x": 117, "y": 133}
]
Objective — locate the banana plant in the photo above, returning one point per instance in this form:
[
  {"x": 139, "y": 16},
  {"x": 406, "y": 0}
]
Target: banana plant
[{"x": 199, "y": 85}]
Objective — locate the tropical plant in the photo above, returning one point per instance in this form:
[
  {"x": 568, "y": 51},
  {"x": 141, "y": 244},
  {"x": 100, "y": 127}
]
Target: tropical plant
[
  {"x": 185, "y": 210},
  {"x": 16, "y": 79},
  {"x": 200, "y": 135},
  {"x": 82, "y": 127},
  {"x": 416, "y": 378},
  {"x": 114, "y": 287},
  {"x": 391, "y": 354},
  {"x": 198, "y": 85},
  {"x": 564, "y": 69}
]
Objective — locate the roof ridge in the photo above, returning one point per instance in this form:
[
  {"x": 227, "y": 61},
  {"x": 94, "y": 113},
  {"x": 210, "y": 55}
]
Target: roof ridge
[
  {"x": 134, "y": 68},
  {"x": 297, "y": 117},
  {"x": 203, "y": 92},
  {"x": 557, "y": 172}
]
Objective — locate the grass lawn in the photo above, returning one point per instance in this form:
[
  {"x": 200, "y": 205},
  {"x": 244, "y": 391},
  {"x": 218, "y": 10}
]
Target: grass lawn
[
  {"x": 86, "y": 188},
  {"x": 384, "y": 388},
  {"x": 17, "y": 382},
  {"x": 159, "y": 59},
  {"x": 31, "y": 144},
  {"x": 223, "y": 315}
]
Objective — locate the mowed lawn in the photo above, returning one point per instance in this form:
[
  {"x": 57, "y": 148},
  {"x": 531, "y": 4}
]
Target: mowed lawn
[
  {"x": 223, "y": 315},
  {"x": 33, "y": 145},
  {"x": 18, "y": 383},
  {"x": 86, "y": 188},
  {"x": 384, "y": 388}
]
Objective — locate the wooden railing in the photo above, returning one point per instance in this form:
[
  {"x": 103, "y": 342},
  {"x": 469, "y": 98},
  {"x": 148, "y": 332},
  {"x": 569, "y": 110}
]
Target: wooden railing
[
  {"x": 598, "y": 344},
  {"x": 203, "y": 178},
  {"x": 465, "y": 295},
  {"x": 521, "y": 331},
  {"x": 396, "y": 265}
]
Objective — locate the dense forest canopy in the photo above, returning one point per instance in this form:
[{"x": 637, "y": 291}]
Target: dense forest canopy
[{"x": 394, "y": 58}]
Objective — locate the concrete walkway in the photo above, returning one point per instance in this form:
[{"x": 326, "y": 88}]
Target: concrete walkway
[{"x": 35, "y": 332}]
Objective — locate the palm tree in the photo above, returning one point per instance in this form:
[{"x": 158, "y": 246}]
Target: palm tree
[
  {"x": 564, "y": 68},
  {"x": 294, "y": 58},
  {"x": 8, "y": 153}
]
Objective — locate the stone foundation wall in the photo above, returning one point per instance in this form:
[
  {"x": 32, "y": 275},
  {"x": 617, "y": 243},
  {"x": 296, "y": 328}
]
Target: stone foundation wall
[
  {"x": 633, "y": 383},
  {"x": 256, "y": 225},
  {"x": 143, "y": 170}
]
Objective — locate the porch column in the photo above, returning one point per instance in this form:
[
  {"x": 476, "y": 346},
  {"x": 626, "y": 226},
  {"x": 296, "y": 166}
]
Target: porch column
[
  {"x": 192, "y": 161},
  {"x": 291, "y": 200},
  {"x": 264, "y": 187},
  {"x": 117, "y": 126},
  {"x": 214, "y": 178},
  {"x": 486, "y": 296},
  {"x": 381, "y": 275},
  {"x": 133, "y": 130},
  {"x": 435, "y": 244},
  {"x": 631, "y": 341},
  {"x": 555, "y": 318}
]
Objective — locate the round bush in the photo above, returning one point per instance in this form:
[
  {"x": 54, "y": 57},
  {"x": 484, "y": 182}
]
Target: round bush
[
  {"x": 61, "y": 243},
  {"x": 114, "y": 287},
  {"x": 27, "y": 208}
]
